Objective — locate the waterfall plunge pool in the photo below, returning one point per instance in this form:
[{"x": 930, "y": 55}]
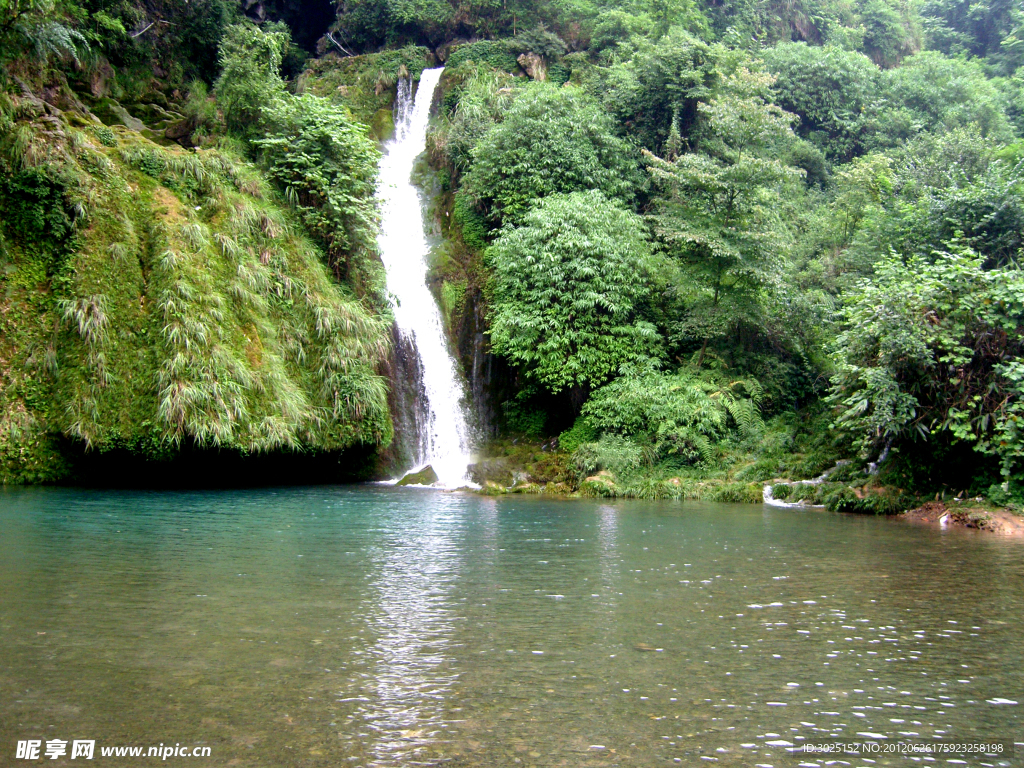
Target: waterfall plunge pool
[{"x": 383, "y": 626}]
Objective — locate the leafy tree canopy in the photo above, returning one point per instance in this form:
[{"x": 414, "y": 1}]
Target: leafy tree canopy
[
  {"x": 716, "y": 211},
  {"x": 933, "y": 350},
  {"x": 569, "y": 288},
  {"x": 553, "y": 140}
]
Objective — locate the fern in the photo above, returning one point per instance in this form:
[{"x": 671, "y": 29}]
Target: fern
[{"x": 682, "y": 414}]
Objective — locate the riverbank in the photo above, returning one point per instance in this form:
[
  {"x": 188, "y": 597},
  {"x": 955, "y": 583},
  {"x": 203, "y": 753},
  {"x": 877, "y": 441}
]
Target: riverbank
[
  {"x": 522, "y": 466},
  {"x": 971, "y": 513}
]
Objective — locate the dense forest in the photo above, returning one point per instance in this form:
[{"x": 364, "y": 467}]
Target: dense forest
[{"x": 703, "y": 246}]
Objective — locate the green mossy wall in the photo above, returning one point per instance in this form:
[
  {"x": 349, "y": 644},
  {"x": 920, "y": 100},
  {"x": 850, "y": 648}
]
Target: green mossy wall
[{"x": 175, "y": 300}]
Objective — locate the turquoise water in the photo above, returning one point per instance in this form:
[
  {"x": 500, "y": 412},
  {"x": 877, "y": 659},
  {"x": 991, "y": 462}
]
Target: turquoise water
[{"x": 380, "y": 626}]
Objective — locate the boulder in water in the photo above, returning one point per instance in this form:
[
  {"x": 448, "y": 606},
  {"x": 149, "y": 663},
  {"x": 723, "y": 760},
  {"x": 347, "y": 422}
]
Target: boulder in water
[{"x": 426, "y": 476}]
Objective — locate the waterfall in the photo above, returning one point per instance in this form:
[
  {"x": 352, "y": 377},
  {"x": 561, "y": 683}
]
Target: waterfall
[{"x": 442, "y": 435}]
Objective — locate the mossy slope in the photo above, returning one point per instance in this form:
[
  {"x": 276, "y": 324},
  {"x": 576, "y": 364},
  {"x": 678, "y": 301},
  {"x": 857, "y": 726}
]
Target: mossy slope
[{"x": 152, "y": 296}]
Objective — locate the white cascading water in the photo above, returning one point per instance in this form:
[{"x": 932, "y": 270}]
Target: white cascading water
[{"x": 443, "y": 442}]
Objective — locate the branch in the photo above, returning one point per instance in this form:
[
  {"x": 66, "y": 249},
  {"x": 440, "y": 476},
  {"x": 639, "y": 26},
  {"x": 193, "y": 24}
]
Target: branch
[
  {"x": 340, "y": 46},
  {"x": 137, "y": 34}
]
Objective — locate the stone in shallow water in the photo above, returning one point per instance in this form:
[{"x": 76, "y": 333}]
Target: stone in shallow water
[{"x": 426, "y": 476}]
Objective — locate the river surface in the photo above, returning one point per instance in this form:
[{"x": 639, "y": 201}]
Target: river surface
[{"x": 381, "y": 626}]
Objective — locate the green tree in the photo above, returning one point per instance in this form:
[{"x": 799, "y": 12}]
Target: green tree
[
  {"x": 988, "y": 29},
  {"x": 889, "y": 33},
  {"x": 658, "y": 83},
  {"x": 250, "y": 79},
  {"x": 831, "y": 89},
  {"x": 717, "y": 211},
  {"x": 328, "y": 169},
  {"x": 931, "y": 92},
  {"x": 934, "y": 349},
  {"x": 932, "y": 190},
  {"x": 569, "y": 287},
  {"x": 552, "y": 140}
]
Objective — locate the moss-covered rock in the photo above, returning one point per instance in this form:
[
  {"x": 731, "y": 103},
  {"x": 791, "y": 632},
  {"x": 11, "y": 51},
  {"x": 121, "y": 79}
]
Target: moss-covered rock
[
  {"x": 365, "y": 84},
  {"x": 498, "y": 470},
  {"x": 491, "y": 488},
  {"x": 425, "y": 476},
  {"x": 526, "y": 488},
  {"x": 601, "y": 484}
]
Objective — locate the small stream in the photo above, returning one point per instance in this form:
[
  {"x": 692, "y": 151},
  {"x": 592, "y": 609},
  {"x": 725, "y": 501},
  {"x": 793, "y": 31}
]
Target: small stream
[{"x": 384, "y": 626}]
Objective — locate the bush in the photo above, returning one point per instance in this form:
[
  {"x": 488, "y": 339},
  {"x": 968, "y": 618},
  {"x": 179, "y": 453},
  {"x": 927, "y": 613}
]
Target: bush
[
  {"x": 682, "y": 414},
  {"x": 553, "y": 140},
  {"x": 568, "y": 288},
  {"x": 613, "y": 453},
  {"x": 487, "y": 53},
  {"x": 250, "y": 80},
  {"x": 580, "y": 432},
  {"x": 328, "y": 170},
  {"x": 933, "y": 350}
]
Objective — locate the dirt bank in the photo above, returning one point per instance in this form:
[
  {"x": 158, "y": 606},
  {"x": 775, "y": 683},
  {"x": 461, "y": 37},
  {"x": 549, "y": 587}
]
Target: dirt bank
[{"x": 999, "y": 521}]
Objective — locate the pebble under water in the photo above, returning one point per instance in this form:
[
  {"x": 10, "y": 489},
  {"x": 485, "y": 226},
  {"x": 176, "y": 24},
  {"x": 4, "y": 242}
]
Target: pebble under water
[{"x": 382, "y": 626}]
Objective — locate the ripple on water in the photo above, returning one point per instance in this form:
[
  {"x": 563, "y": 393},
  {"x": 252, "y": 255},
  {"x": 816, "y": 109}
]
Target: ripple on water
[{"x": 385, "y": 627}]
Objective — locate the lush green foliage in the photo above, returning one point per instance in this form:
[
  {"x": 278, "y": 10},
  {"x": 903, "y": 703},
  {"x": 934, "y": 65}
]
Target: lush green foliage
[
  {"x": 660, "y": 83},
  {"x": 681, "y": 415},
  {"x": 933, "y": 349},
  {"x": 569, "y": 285},
  {"x": 832, "y": 90},
  {"x": 483, "y": 98},
  {"x": 250, "y": 80},
  {"x": 717, "y": 213},
  {"x": 320, "y": 158},
  {"x": 552, "y": 140},
  {"x": 488, "y": 53},
  {"x": 810, "y": 169},
  {"x": 327, "y": 168}
]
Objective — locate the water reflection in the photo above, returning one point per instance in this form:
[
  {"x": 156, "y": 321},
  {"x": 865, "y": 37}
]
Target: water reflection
[
  {"x": 395, "y": 627},
  {"x": 417, "y": 565}
]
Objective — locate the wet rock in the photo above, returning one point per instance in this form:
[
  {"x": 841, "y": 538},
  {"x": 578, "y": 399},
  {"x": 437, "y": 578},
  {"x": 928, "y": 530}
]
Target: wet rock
[
  {"x": 382, "y": 125},
  {"x": 526, "y": 488},
  {"x": 426, "y": 476},
  {"x": 534, "y": 66},
  {"x": 445, "y": 49},
  {"x": 520, "y": 478},
  {"x": 99, "y": 79},
  {"x": 558, "y": 488},
  {"x": 179, "y": 130},
  {"x": 491, "y": 488},
  {"x": 498, "y": 470}
]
